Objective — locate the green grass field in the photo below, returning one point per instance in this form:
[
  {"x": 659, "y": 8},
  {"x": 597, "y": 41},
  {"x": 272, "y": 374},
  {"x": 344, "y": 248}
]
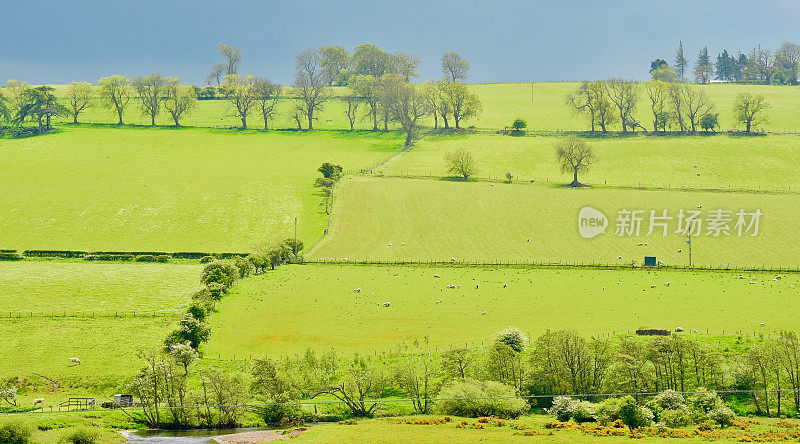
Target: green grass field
[
  {"x": 175, "y": 190},
  {"x": 428, "y": 219},
  {"x": 35, "y": 345},
  {"x": 315, "y": 306},
  {"x": 723, "y": 162},
  {"x": 502, "y": 103}
]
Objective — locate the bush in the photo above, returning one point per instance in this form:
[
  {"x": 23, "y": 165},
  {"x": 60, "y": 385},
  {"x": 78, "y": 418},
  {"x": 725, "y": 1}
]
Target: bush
[
  {"x": 14, "y": 432},
  {"x": 330, "y": 171},
  {"x": 206, "y": 259},
  {"x": 11, "y": 257},
  {"x": 216, "y": 291},
  {"x": 145, "y": 258},
  {"x": 512, "y": 337},
  {"x": 709, "y": 121},
  {"x": 633, "y": 415},
  {"x": 191, "y": 330},
  {"x": 198, "y": 310},
  {"x": 220, "y": 272},
  {"x": 471, "y": 398},
  {"x": 163, "y": 258},
  {"x": 722, "y": 415},
  {"x": 562, "y": 408},
  {"x": 582, "y": 411},
  {"x": 675, "y": 418},
  {"x": 242, "y": 265},
  {"x": 82, "y": 435},
  {"x": 324, "y": 182},
  {"x": 607, "y": 411},
  {"x": 519, "y": 124},
  {"x": 703, "y": 401}
]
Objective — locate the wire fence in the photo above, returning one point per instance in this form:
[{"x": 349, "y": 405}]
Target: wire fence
[{"x": 64, "y": 313}]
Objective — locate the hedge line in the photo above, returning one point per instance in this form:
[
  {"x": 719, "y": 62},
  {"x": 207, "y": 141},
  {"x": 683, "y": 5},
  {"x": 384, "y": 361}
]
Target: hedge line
[
  {"x": 132, "y": 254},
  {"x": 10, "y": 256}
]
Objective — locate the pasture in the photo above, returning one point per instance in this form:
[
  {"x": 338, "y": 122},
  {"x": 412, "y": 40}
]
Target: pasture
[
  {"x": 429, "y": 219},
  {"x": 56, "y": 300},
  {"x": 143, "y": 189},
  {"x": 297, "y": 307},
  {"x": 545, "y": 109},
  {"x": 691, "y": 162}
]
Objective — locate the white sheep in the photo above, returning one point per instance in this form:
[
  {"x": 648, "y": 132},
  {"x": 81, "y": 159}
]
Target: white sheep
[
  {"x": 620, "y": 257},
  {"x": 436, "y": 275},
  {"x": 653, "y": 286},
  {"x": 476, "y": 285},
  {"x": 75, "y": 361},
  {"x": 667, "y": 284},
  {"x": 763, "y": 324},
  {"x": 357, "y": 290},
  {"x": 452, "y": 259},
  {"x": 619, "y": 282},
  {"x": 38, "y": 401},
  {"x": 505, "y": 285},
  {"x": 386, "y": 304},
  {"x": 451, "y": 286},
  {"x": 678, "y": 329},
  {"x": 483, "y": 313}
]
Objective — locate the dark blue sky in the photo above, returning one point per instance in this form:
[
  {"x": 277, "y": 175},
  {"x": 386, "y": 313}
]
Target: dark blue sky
[{"x": 60, "y": 41}]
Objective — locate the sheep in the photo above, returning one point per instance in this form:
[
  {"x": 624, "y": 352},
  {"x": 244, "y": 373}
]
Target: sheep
[
  {"x": 640, "y": 244},
  {"x": 619, "y": 282},
  {"x": 741, "y": 276},
  {"x": 694, "y": 331},
  {"x": 386, "y": 304},
  {"x": 75, "y": 361},
  {"x": 528, "y": 240},
  {"x": 452, "y": 259},
  {"x": 484, "y": 312},
  {"x": 680, "y": 250},
  {"x": 699, "y": 206},
  {"x": 763, "y": 324},
  {"x": 505, "y": 285},
  {"x": 778, "y": 277},
  {"x": 620, "y": 257},
  {"x": 357, "y": 290},
  {"x": 451, "y": 286},
  {"x": 439, "y": 301},
  {"x": 436, "y": 276},
  {"x": 678, "y": 329},
  {"x": 667, "y": 284},
  {"x": 389, "y": 245},
  {"x": 38, "y": 401},
  {"x": 476, "y": 286},
  {"x": 458, "y": 286},
  {"x": 653, "y": 286}
]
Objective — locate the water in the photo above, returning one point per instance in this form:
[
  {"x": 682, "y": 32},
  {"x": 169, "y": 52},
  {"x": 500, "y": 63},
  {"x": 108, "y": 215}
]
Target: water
[{"x": 180, "y": 436}]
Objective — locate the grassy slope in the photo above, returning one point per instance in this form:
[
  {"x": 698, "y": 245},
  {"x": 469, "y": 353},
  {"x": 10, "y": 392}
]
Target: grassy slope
[
  {"x": 438, "y": 220},
  {"x": 297, "y": 307},
  {"x": 175, "y": 190},
  {"x": 502, "y": 103},
  {"x": 107, "y": 346},
  {"x": 724, "y": 162}
]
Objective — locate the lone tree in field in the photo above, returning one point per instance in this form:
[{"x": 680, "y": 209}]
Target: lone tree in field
[
  {"x": 151, "y": 90},
  {"x": 79, "y": 97},
  {"x": 461, "y": 162},
  {"x": 178, "y": 99},
  {"x": 749, "y": 109},
  {"x": 116, "y": 91},
  {"x": 454, "y": 67},
  {"x": 574, "y": 155},
  {"x": 239, "y": 92},
  {"x": 310, "y": 83}
]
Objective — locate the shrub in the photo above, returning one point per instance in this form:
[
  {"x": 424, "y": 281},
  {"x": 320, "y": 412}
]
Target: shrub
[
  {"x": 82, "y": 435},
  {"x": 216, "y": 291},
  {"x": 10, "y": 257},
  {"x": 722, "y": 415},
  {"x": 519, "y": 124},
  {"x": 198, "y": 310},
  {"x": 607, "y": 411},
  {"x": 512, "y": 337},
  {"x": 709, "y": 121},
  {"x": 562, "y": 408},
  {"x": 330, "y": 171},
  {"x": 472, "y": 398},
  {"x": 191, "y": 330},
  {"x": 633, "y": 415},
  {"x": 145, "y": 258},
  {"x": 220, "y": 272},
  {"x": 14, "y": 432},
  {"x": 675, "y": 418},
  {"x": 163, "y": 258},
  {"x": 704, "y": 400},
  {"x": 242, "y": 265},
  {"x": 582, "y": 411},
  {"x": 509, "y": 177},
  {"x": 206, "y": 259},
  {"x": 324, "y": 182}
]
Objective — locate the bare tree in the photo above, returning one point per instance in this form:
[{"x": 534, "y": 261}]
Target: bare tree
[
  {"x": 116, "y": 90},
  {"x": 217, "y": 74},
  {"x": 150, "y": 90},
  {"x": 657, "y": 92},
  {"x": 14, "y": 93},
  {"x": 232, "y": 58},
  {"x": 461, "y": 162},
  {"x": 624, "y": 95},
  {"x": 366, "y": 87},
  {"x": 238, "y": 91},
  {"x": 749, "y": 109},
  {"x": 79, "y": 98},
  {"x": 266, "y": 94},
  {"x": 454, "y": 67},
  {"x": 352, "y": 102},
  {"x": 676, "y": 92},
  {"x": 405, "y": 64},
  {"x": 591, "y": 98},
  {"x": 697, "y": 105},
  {"x": 310, "y": 83},
  {"x": 178, "y": 99},
  {"x": 574, "y": 155}
]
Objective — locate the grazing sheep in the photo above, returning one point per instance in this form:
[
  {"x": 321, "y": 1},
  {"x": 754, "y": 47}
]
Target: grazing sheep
[
  {"x": 741, "y": 276},
  {"x": 791, "y": 285},
  {"x": 678, "y": 329},
  {"x": 483, "y": 313},
  {"x": 505, "y": 285},
  {"x": 694, "y": 331},
  {"x": 439, "y": 301},
  {"x": 619, "y": 282},
  {"x": 403, "y": 243},
  {"x": 38, "y": 401},
  {"x": 620, "y": 257},
  {"x": 451, "y": 286},
  {"x": 528, "y": 240},
  {"x": 640, "y": 244},
  {"x": 75, "y": 361},
  {"x": 699, "y": 206},
  {"x": 436, "y": 275},
  {"x": 763, "y": 324},
  {"x": 653, "y": 286},
  {"x": 389, "y": 245},
  {"x": 476, "y": 285},
  {"x": 680, "y": 250},
  {"x": 645, "y": 244},
  {"x": 357, "y": 290},
  {"x": 452, "y": 259},
  {"x": 458, "y": 286},
  {"x": 667, "y": 284},
  {"x": 660, "y": 262},
  {"x": 386, "y": 304},
  {"x": 778, "y": 277}
]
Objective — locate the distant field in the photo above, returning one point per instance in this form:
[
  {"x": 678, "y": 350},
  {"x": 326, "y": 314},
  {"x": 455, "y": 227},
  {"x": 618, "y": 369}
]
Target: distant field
[
  {"x": 502, "y": 103},
  {"x": 314, "y": 306},
  {"x": 429, "y": 219},
  {"x": 175, "y": 190},
  {"x": 697, "y": 162},
  {"x": 107, "y": 346}
]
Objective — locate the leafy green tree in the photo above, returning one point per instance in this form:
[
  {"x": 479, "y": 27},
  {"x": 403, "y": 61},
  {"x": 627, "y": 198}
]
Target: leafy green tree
[
  {"x": 218, "y": 272},
  {"x": 709, "y": 121},
  {"x": 633, "y": 415},
  {"x": 267, "y": 95},
  {"x": 408, "y": 103},
  {"x": 367, "y": 88},
  {"x": 749, "y": 109},
  {"x": 116, "y": 92},
  {"x": 40, "y": 104},
  {"x": 190, "y": 330},
  {"x": 232, "y": 58},
  {"x": 405, "y": 65},
  {"x": 5, "y": 113},
  {"x": 330, "y": 171},
  {"x": 239, "y": 91},
  {"x": 519, "y": 125},
  {"x": 462, "y": 103},
  {"x": 658, "y": 64},
  {"x": 370, "y": 60},
  {"x": 512, "y": 337},
  {"x": 178, "y": 99},
  {"x": 151, "y": 90},
  {"x": 79, "y": 98},
  {"x": 336, "y": 62},
  {"x": 787, "y": 57},
  {"x": 702, "y": 67}
]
